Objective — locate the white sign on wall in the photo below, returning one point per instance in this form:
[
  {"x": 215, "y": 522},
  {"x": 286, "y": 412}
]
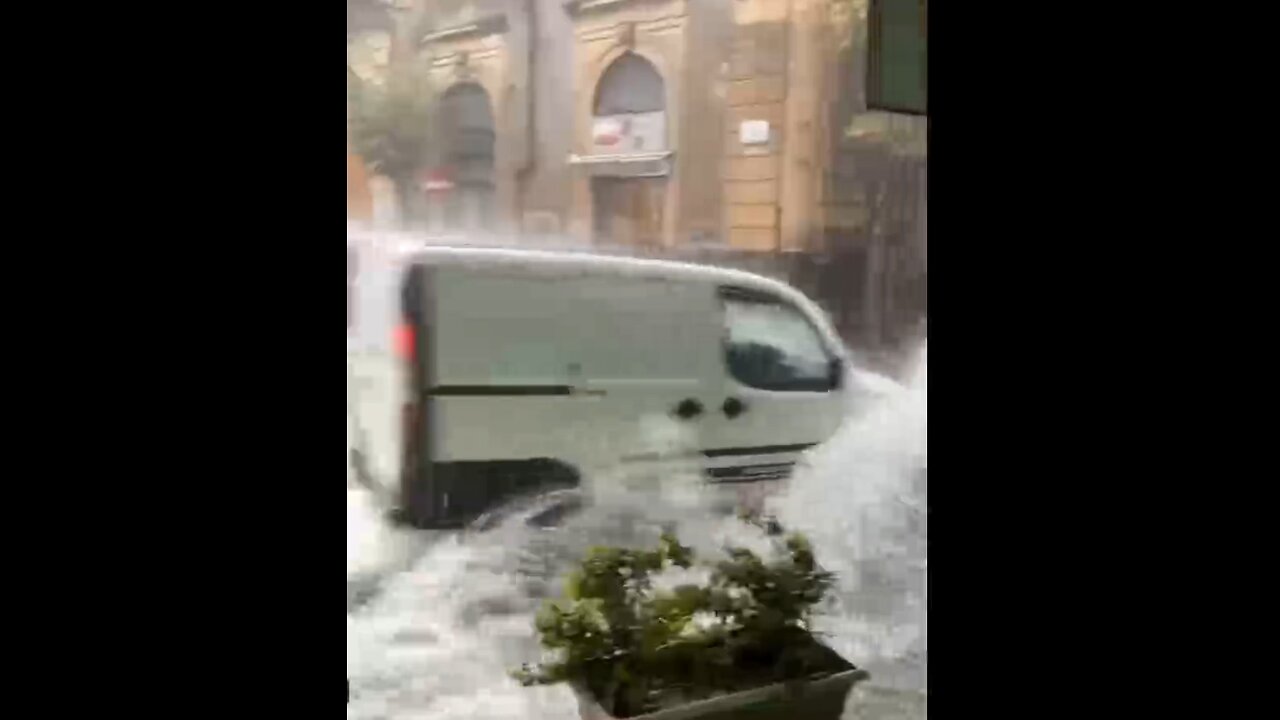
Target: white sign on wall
[{"x": 754, "y": 132}]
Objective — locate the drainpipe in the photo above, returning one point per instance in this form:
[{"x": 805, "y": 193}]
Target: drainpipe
[{"x": 525, "y": 172}]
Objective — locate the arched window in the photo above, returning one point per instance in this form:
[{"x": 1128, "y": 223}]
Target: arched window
[
  {"x": 630, "y": 85},
  {"x": 467, "y": 132},
  {"x": 628, "y": 186},
  {"x": 468, "y": 123},
  {"x": 630, "y": 108}
]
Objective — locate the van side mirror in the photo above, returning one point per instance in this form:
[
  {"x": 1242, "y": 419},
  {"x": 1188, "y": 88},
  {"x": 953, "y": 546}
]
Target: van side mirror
[{"x": 835, "y": 373}]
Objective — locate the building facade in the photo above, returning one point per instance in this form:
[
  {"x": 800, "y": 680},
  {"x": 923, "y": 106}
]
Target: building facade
[
  {"x": 736, "y": 127},
  {"x": 370, "y": 24}
]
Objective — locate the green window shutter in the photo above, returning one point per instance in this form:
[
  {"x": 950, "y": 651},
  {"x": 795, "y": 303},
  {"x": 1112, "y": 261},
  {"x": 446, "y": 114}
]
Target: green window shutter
[{"x": 898, "y": 46}]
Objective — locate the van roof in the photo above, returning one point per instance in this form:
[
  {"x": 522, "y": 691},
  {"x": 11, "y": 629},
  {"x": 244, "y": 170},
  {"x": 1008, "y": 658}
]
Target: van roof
[
  {"x": 404, "y": 247},
  {"x": 592, "y": 259}
]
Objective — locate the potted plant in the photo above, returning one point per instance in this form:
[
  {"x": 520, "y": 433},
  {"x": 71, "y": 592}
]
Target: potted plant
[{"x": 732, "y": 643}]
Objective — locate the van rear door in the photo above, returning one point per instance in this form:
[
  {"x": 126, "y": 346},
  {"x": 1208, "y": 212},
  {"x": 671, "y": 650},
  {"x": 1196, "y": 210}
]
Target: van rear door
[{"x": 413, "y": 342}]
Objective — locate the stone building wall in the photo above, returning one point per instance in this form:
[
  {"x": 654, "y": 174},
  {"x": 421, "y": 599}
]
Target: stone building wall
[{"x": 829, "y": 178}]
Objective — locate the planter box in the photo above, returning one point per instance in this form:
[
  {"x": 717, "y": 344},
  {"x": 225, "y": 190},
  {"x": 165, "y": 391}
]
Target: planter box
[{"x": 819, "y": 699}]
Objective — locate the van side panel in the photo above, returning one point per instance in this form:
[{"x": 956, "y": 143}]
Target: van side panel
[
  {"x": 504, "y": 350},
  {"x": 650, "y": 346},
  {"x": 569, "y": 367}
]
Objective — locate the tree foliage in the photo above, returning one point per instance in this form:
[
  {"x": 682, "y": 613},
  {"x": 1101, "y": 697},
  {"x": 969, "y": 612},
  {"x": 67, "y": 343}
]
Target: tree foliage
[
  {"x": 637, "y": 649},
  {"x": 389, "y": 125}
]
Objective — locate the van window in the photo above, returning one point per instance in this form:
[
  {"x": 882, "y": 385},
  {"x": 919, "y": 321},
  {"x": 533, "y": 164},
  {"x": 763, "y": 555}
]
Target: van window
[{"x": 770, "y": 345}]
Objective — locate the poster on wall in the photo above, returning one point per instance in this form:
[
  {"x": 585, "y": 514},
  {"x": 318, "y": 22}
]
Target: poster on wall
[{"x": 630, "y": 133}]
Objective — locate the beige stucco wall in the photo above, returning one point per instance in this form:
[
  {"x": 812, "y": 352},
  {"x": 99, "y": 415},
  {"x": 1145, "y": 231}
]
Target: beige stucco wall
[
  {"x": 754, "y": 72},
  {"x": 359, "y": 197},
  {"x": 797, "y": 64}
]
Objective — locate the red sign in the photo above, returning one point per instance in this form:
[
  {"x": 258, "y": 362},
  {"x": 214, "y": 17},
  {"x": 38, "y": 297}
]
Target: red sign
[
  {"x": 608, "y": 131},
  {"x": 437, "y": 180}
]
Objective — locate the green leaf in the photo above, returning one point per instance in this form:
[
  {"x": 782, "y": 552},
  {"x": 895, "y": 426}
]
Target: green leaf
[{"x": 389, "y": 125}]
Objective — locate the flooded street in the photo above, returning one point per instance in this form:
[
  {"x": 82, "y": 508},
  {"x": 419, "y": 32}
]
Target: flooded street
[
  {"x": 454, "y": 610},
  {"x": 671, "y": 256}
]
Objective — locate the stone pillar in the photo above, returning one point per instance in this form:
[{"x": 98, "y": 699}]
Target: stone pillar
[
  {"x": 756, "y": 92},
  {"x": 801, "y": 165}
]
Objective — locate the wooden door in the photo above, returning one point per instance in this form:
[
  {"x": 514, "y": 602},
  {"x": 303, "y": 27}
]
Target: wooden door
[{"x": 628, "y": 211}]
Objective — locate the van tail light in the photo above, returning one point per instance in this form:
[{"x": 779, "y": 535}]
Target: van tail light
[
  {"x": 405, "y": 348},
  {"x": 407, "y": 336},
  {"x": 406, "y": 353},
  {"x": 404, "y": 341}
]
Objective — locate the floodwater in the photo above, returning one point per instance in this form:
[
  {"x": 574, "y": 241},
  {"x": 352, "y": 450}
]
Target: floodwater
[{"x": 438, "y": 638}]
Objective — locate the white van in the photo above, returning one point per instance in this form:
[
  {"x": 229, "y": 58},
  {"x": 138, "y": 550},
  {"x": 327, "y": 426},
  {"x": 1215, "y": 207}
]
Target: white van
[{"x": 478, "y": 373}]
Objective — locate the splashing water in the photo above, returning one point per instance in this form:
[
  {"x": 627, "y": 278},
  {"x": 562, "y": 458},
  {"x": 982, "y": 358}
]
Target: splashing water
[
  {"x": 863, "y": 501},
  {"x": 439, "y": 640}
]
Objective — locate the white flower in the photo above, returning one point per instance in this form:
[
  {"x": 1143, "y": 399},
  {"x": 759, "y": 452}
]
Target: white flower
[
  {"x": 673, "y": 577},
  {"x": 739, "y": 534},
  {"x": 705, "y": 621},
  {"x": 702, "y": 623}
]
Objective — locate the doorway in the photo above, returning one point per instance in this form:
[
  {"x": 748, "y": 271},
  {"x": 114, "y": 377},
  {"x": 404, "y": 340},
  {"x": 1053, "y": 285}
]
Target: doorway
[
  {"x": 628, "y": 211},
  {"x": 465, "y": 203},
  {"x": 628, "y": 194}
]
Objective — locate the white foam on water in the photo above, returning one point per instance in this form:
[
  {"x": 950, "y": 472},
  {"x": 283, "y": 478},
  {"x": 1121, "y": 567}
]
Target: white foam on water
[
  {"x": 863, "y": 501},
  {"x": 367, "y": 536},
  {"x": 439, "y": 641}
]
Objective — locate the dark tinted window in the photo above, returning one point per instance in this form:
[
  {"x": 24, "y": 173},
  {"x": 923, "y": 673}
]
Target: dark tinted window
[{"x": 772, "y": 346}]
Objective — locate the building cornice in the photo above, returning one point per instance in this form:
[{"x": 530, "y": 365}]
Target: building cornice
[
  {"x": 583, "y": 7},
  {"x": 489, "y": 25}
]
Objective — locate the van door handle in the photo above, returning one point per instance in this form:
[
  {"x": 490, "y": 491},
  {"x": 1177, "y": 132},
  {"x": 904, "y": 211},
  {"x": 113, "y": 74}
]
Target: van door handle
[
  {"x": 688, "y": 408},
  {"x": 733, "y": 407}
]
